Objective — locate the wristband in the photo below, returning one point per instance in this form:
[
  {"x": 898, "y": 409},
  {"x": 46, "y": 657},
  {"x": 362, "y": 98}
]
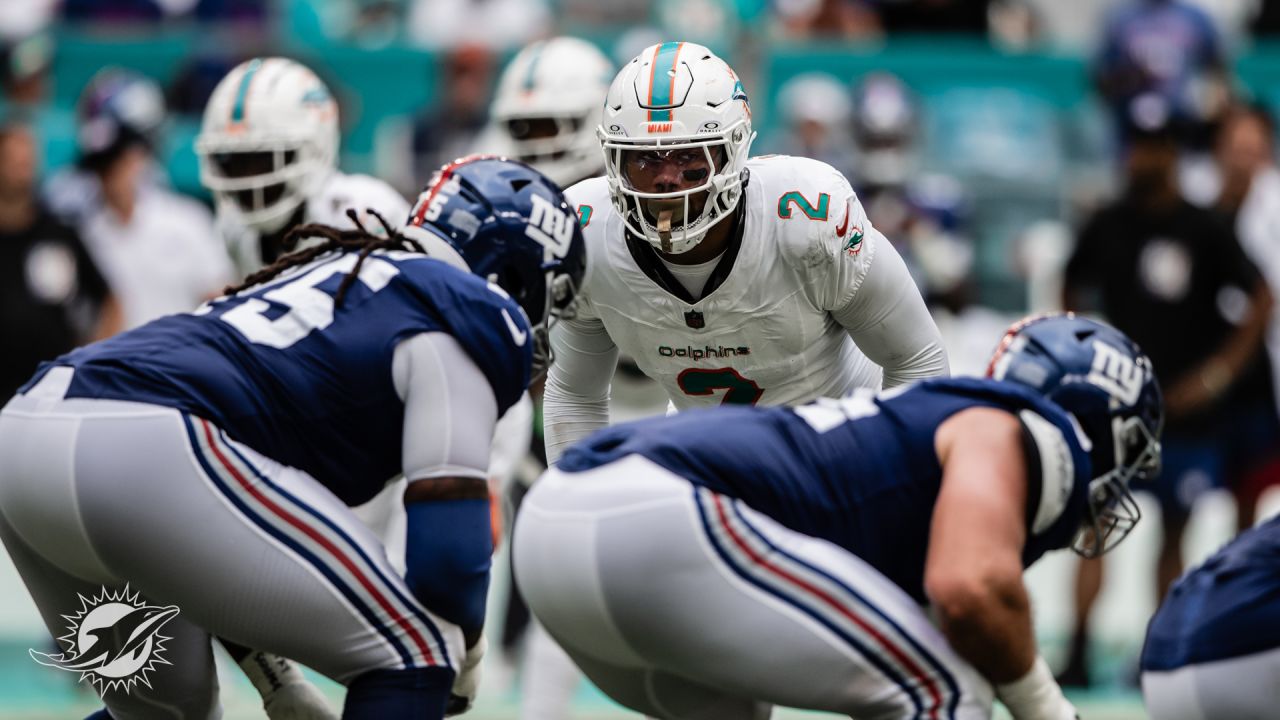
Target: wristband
[{"x": 1036, "y": 695}]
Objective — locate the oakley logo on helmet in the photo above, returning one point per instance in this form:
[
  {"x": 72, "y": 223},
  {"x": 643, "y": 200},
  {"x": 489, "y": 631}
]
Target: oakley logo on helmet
[
  {"x": 551, "y": 226},
  {"x": 1117, "y": 374}
]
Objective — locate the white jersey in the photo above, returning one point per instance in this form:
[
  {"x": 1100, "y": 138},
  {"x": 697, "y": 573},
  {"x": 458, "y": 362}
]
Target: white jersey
[
  {"x": 814, "y": 303},
  {"x": 326, "y": 207},
  {"x": 166, "y": 259}
]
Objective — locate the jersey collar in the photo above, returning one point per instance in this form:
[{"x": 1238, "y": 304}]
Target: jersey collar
[{"x": 646, "y": 258}]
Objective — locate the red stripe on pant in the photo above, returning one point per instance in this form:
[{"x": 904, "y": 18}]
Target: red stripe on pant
[
  {"x": 906, "y": 662},
  {"x": 319, "y": 539}
]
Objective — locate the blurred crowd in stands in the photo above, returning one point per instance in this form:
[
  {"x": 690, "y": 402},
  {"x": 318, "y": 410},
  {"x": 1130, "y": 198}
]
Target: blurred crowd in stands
[{"x": 1171, "y": 231}]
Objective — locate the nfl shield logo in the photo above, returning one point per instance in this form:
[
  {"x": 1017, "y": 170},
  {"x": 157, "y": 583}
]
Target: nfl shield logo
[{"x": 694, "y": 319}]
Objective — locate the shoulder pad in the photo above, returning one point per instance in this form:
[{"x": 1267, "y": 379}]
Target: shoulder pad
[
  {"x": 590, "y": 198},
  {"x": 816, "y": 209},
  {"x": 1048, "y": 456}
]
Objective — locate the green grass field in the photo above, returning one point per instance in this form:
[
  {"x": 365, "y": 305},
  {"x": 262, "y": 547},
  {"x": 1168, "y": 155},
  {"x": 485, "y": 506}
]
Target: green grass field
[{"x": 32, "y": 692}]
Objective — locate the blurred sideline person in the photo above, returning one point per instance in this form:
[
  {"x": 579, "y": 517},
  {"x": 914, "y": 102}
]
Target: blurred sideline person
[
  {"x": 157, "y": 249},
  {"x": 208, "y": 460},
  {"x": 1173, "y": 277},
  {"x": 1213, "y": 647},
  {"x": 52, "y": 297},
  {"x": 268, "y": 150},
  {"x": 720, "y": 561},
  {"x": 1250, "y": 199},
  {"x": 1166, "y": 53}
]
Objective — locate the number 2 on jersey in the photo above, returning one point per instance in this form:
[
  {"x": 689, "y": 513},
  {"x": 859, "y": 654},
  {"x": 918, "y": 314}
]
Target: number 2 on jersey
[
  {"x": 811, "y": 211},
  {"x": 699, "y": 381}
]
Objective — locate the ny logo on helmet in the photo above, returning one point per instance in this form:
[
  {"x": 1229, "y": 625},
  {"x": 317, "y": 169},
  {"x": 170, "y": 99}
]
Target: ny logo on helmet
[
  {"x": 1117, "y": 373},
  {"x": 551, "y": 227}
]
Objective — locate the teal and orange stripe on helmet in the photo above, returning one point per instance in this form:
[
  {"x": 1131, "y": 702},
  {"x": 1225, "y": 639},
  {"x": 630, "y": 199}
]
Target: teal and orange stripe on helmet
[
  {"x": 661, "y": 83},
  {"x": 237, "y": 109},
  {"x": 531, "y": 73}
]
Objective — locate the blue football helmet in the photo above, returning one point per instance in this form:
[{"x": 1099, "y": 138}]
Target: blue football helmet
[
  {"x": 512, "y": 226},
  {"x": 1102, "y": 378},
  {"x": 118, "y": 107}
]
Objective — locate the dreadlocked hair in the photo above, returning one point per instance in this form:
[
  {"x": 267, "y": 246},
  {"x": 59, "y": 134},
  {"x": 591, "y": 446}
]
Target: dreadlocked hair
[{"x": 334, "y": 239}]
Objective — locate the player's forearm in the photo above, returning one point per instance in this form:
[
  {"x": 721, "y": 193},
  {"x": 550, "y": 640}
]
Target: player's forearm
[
  {"x": 575, "y": 402},
  {"x": 566, "y": 420},
  {"x": 448, "y": 548},
  {"x": 988, "y": 622}
]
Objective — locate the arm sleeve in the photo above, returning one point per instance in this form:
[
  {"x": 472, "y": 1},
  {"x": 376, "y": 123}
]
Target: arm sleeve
[
  {"x": 450, "y": 413},
  {"x": 576, "y": 399},
  {"x": 450, "y": 410},
  {"x": 850, "y": 269},
  {"x": 888, "y": 320},
  {"x": 1051, "y": 471},
  {"x": 511, "y": 440}
]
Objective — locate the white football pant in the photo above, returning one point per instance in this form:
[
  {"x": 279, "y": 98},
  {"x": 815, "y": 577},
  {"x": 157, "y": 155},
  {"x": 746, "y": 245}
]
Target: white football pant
[{"x": 687, "y": 605}]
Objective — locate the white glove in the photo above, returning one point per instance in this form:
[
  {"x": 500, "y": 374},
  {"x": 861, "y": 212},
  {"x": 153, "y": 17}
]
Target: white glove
[
  {"x": 467, "y": 683},
  {"x": 286, "y": 694},
  {"x": 1036, "y": 696}
]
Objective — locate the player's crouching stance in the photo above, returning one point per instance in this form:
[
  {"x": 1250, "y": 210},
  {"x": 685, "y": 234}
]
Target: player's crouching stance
[
  {"x": 709, "y": 564},
  {"x": 1213, "y": 647},
  {"x": 209, "y": 459}
]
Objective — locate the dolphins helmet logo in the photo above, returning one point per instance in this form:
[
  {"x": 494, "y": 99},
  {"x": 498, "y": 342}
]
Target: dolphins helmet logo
[{"x": 114, "y": 641}]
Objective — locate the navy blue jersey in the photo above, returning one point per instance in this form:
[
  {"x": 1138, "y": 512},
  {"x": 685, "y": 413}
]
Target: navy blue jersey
[
  {"x": 1227, "y": 607},
  {"x": 861, "y": 472},
  {"x": 308, "y": 384}
]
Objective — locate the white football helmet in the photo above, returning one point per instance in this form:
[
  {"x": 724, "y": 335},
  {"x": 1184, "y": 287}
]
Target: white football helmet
[
  {"x": 676, "y": 100},
  {"x": 269, "y": 141},
  {"x": 547, "y": 107}
]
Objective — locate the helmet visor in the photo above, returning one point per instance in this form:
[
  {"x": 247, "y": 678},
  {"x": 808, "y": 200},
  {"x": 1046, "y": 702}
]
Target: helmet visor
[
  {"x": 254, "y": 170},
  {"x": 650, "y": 170}
]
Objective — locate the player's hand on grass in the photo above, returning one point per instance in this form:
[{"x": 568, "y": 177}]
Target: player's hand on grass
[{"x": 466, "y": 685}]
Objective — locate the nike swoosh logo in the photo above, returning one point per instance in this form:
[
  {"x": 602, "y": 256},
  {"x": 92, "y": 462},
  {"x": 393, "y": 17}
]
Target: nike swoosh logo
[
  {"x": 520, "y": 336},
  {"x": 844, "y": 226}
]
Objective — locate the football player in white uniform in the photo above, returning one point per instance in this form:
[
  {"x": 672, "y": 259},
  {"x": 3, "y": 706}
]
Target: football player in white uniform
[
  {"x": 547, "y": 107},
  {"x": 729, "y": 280},
  {"x": 268, "y": 152}
]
